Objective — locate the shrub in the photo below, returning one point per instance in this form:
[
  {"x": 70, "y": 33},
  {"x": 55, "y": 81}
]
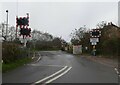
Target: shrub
[
  {"x": 110, "y": 47},
  {"x": 12, "y": 52}
]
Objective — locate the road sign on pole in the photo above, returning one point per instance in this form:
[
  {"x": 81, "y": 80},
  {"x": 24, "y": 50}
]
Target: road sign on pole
[
  {"x": 23, "y": 23},
  {"x": 95, "y": 34},
  {"x": 92, "y": 40}
]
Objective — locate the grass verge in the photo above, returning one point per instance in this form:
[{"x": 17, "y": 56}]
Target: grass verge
[{"x": 15, "y": 64}]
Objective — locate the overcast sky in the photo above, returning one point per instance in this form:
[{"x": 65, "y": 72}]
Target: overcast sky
[{"x": 60, "y": 18}]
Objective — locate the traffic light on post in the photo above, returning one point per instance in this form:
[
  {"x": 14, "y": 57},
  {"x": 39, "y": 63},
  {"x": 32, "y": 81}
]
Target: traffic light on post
[
  {"x": 25, "y": 32},
  {"x": 23, "y": 21}
]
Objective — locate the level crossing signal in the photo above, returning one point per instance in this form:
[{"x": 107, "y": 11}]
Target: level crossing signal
[
  {"x": 96, "y": 33},
  {"x": 23, "y": 21},
  {"x": 25, "y": 32}
]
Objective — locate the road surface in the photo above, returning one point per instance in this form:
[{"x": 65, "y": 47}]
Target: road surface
[{"x": 61, "y": 67}]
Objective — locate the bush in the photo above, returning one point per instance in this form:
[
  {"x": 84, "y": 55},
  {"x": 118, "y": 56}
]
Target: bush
[
  {"x": 110, "y": 47},
  {"x": 12, "y": 52}
]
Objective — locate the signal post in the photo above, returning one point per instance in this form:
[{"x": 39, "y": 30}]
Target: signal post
[
  {"x": 23, "y": 23},
  {"x": 94, "y": 39}
]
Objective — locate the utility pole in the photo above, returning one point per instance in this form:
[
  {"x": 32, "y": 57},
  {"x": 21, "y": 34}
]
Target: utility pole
[{"x": 7, "y": 25}]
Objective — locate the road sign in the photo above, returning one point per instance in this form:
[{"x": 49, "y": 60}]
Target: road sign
[{"x": 93, "y": 40}]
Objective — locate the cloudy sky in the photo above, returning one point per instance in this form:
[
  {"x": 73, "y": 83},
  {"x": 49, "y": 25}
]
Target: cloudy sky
[{"x": 60, "y": 18}]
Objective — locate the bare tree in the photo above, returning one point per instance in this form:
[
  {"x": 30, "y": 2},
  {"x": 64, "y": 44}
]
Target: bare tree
[
  {"x": 2, "y": 28},
  {"x": 101, "y": 24},
  {"x": 78, "y": 34},
  {"x": 10, "y": 32},
  {"x": 38, "y": 35}
]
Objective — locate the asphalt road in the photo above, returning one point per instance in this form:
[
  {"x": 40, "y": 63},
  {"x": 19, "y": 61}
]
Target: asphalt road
[{"x": 61, "y": 67}]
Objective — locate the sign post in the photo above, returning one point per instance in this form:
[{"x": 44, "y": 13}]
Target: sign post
[
  {"x": 23, "y": 23},
  {"x": 95, "y": 34}
]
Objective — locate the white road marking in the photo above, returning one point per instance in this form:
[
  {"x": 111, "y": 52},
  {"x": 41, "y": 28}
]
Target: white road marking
[
  {"x": 51, "y": 75},
  {"x": 38, "y": 58},
  {"x": 58, "y": 75},
  {"x": 46, "y": 65},
  {"x": 117, "y": 70}
]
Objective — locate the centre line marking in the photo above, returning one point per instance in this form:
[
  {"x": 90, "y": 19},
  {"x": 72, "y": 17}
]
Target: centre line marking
[
  {"x": 51, "y": 75},
  {"x": 58, "y": 75}
]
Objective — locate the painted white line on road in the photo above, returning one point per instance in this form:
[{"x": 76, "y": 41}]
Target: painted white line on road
[
  {"x": 51, "y": 75},
  {"x": 117, "y": 71},
  {"x": 46, "y": 65},
  {"x": 38, "y": 59},
  {"x": 58, "y": 75}
]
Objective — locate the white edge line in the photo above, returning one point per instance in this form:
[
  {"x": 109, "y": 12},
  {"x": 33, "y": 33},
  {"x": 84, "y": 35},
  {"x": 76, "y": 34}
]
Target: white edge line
[
  {"x": 51, "y": 75},
  {"x": 116, "y": 70},
  {"x": 58, "y": 75},
  {"x": 38, "y": 58}
]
